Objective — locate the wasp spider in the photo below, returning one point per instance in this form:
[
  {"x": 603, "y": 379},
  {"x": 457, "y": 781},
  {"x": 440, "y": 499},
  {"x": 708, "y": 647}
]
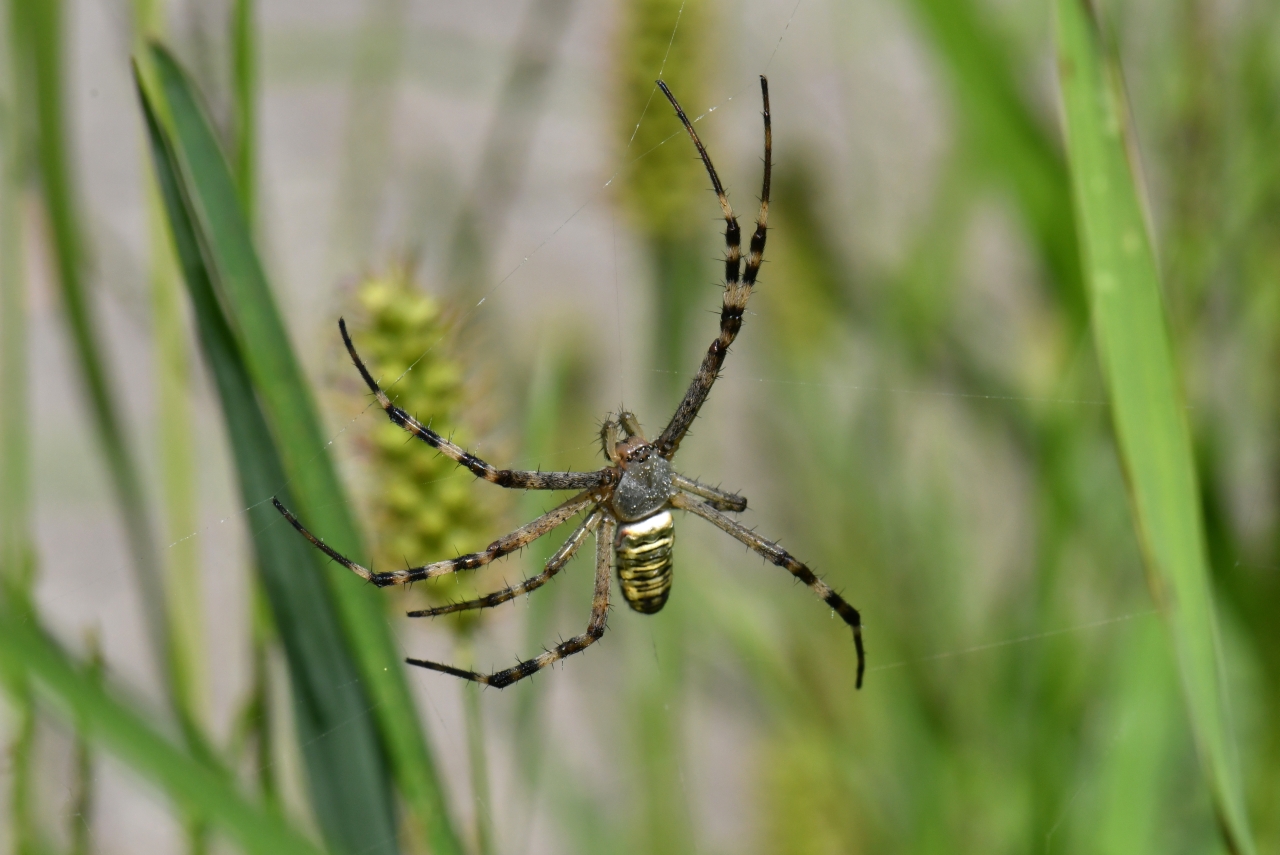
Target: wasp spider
[{"x": 627, "y": 503}]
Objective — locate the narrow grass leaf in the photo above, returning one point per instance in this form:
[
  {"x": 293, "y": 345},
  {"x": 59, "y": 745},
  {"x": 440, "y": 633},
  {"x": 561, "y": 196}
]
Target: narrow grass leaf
[
  {"x": 350, "y": 785},
  {"x": 17, "y": 546},
  {"x": 1146, "y": 400},
  {"x": 17, "y": 560},
  {"x": 30, "y": 658},
  {"x": 175, "y": 438},
  {"x": 37, "y": 39},
  {"x": 255, "y": 325}
]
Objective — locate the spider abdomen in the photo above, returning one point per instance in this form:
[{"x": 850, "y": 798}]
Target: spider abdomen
[{"x": 644, "y": 561}]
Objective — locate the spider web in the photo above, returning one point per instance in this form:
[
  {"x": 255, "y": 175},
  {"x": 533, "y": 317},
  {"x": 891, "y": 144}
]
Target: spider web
[{"x": 628, "y": 160}]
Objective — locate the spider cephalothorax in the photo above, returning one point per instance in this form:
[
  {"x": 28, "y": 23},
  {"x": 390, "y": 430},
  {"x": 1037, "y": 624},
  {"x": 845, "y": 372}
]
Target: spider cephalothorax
[{"x": 628, "y": 503}]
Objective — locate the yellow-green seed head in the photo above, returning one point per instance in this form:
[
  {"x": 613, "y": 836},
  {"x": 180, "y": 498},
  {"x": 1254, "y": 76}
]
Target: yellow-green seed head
[
  {"x": 662, "y": 190},
  {"x": 421, "y": 506}
]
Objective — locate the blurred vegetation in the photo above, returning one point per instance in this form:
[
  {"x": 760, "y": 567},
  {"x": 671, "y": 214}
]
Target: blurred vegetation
[
  {"x": 666, "y": 38},
  {"x": 663, "y": 193},
  {"x": 941, "y": 435}
]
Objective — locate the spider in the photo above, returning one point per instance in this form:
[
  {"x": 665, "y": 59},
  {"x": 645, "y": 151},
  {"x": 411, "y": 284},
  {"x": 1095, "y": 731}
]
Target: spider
[{"x": 627, "y": 503}]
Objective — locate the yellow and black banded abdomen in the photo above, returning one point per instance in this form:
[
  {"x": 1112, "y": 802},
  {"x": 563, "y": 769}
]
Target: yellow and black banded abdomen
[{"x": 644, "y": 561}]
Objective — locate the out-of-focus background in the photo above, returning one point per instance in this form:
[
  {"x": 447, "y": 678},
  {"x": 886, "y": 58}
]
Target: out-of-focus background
[{"x": 498, "y": 198}]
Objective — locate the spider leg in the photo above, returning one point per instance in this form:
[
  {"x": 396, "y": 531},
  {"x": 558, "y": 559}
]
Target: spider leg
[
  {"x": 554, "y": 565},
  {"x": 736, "y": 293},
  {"x": 577, "y": 644},
  {"x": 779, "y": 556},
  {"x": 502, "y": 546},
  {"x": 514, "y": 478},
  {"x": 732, "y": 231},
  {"x": 719, "y": 499}
]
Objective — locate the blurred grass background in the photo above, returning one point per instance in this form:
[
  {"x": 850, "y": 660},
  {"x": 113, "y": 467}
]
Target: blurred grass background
[{"x": 918, "y": 407}]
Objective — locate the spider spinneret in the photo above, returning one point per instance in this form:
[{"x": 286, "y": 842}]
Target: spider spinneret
[{"x": 627, "y": 503}]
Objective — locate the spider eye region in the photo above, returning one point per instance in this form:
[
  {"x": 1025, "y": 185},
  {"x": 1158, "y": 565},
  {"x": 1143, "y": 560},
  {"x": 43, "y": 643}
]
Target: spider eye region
[{"x": 644, "y": 489}]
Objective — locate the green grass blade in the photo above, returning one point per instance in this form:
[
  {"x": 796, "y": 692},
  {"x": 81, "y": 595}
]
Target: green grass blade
[
  {"x": 350, "y": 785},
  {"x": 20, "y": 757},
  {"x": 1146, "y": 399},
  {"x": 17, "y": 555},
  {"x": 175, "y": 442},
  {"x": 284, "y": 394},
  {"x": 1133, "y": 778},
  {"x": 29, "y": 657},
  {"x": 37, "y": 37},
  {"x": 16, "y": 558},
  {"x": 254, "y": 727}
]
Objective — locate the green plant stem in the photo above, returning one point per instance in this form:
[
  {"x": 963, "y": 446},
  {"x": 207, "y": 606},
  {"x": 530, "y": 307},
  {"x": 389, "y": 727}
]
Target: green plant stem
[
  {"x": 548, "y": 405},
  {"x": 244, "y": 77},
  {"x": 477, "y": 756},
  {"x": 22, "y": 782},
  {"x": 38, "y": 28},
  {"x": 80, "y": 816},
  {"x": 176, "y": 435},
  {"x": 253, "y": 737},
  {"x": 176, "y": 439},
  {"x": 16, "y": 559}
]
